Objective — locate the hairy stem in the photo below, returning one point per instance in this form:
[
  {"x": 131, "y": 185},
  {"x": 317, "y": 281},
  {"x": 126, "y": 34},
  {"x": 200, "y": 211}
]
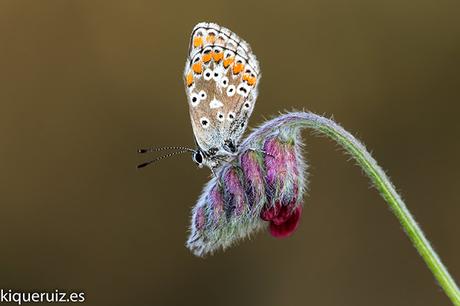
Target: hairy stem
[{"x": 381, "y": 182}]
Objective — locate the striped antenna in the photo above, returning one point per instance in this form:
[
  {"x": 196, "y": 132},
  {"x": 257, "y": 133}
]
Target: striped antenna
[
  {"x": 154, "y": 149},
  {"x": 160, "y": 158}
]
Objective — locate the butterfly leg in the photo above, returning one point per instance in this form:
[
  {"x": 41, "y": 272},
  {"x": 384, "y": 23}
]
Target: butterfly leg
[
  {"x": 217, "y": 178},
  {"x": 213, "y": 173}
]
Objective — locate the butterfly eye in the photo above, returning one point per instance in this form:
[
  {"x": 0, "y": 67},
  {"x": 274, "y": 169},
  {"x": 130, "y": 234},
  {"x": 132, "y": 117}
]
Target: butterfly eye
[
  {"x": 197, "y": 157},
  {"x": 231, "y": 116},
  {"x": 231, "y": 90},
  {"x": 203, "y": 95},
  {"x": 207, "y": 74},
  {"x": 194, "y": 99},
  {"x": 204, "y": 122}
]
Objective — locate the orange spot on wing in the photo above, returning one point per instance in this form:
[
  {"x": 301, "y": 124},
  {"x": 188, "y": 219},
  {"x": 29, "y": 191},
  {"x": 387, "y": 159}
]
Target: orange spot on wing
[
  {"x": 197, "y": 41},
  {"x": 211, "y": 38},
  {"x": 206, "y": 57},
  {"x": 249, "y": 79},
  {"x": 197, "y": 67},
  {"x": 228, "y": 61},
  {"x": 218, "y": 56},
  {"x": 237, "y": 68},
  {"x": 189, "y": 79}
]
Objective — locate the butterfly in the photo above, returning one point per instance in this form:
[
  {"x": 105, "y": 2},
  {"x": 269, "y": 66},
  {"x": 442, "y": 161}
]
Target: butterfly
[{"x": 221, "y": 76}]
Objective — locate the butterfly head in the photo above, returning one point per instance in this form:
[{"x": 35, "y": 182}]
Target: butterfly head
[
  {"x": 210, "y": 158},
  {"x": 198, "y": 158}
]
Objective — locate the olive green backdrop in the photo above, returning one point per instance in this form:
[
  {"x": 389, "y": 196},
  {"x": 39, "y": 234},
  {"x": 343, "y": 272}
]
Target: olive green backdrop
[{"x": 83, "y": 84}]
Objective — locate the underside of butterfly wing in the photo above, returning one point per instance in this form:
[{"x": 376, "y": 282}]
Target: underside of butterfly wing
[{"x": 221, "y": 77}]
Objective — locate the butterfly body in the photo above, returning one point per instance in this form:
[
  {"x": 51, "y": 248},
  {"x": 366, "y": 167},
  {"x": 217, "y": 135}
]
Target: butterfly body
[{"x": 221, "y": 77}]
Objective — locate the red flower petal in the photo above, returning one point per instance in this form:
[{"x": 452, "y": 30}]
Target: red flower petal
[
  {"x": 282, "y": 227},
  {"x": 270, "y": 213},
  {"x": 283, "y": 220}
]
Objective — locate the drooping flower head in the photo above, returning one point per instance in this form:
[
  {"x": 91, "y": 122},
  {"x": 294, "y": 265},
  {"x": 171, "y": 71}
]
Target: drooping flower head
[{"x": 262, "y": 187}]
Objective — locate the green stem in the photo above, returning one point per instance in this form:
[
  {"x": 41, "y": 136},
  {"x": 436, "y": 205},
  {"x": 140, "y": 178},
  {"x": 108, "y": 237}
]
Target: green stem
[
  {"x": 399, "y": 208},
  {"x": 380, "y": 180}
]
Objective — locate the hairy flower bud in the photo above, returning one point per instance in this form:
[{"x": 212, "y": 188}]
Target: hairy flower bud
[{"x": 262, "y": 187}]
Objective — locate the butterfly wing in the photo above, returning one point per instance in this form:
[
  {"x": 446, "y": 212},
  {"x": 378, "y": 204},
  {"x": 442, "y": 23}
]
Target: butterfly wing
[{"x": 221, "y": 77}]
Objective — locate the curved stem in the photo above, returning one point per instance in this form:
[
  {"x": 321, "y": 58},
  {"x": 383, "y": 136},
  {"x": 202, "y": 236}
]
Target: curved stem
[{"x": 381, "y": 182}]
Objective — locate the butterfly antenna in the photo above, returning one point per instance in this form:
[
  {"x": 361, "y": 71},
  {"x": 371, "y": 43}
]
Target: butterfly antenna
[
  {"x": 160, "y": 158},
  {"x": 154, "y": 149}
]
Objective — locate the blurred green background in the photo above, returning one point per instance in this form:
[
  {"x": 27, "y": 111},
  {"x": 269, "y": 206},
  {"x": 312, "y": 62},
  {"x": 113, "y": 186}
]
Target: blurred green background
[{"x": 83, "y": 84}]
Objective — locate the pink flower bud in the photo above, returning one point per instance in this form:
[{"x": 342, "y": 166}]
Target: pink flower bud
[{"x": 261, "y": 187}]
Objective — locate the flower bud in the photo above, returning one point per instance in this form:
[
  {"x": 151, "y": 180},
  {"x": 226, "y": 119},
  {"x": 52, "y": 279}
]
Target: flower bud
[{"x": 261, "y": 187}]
